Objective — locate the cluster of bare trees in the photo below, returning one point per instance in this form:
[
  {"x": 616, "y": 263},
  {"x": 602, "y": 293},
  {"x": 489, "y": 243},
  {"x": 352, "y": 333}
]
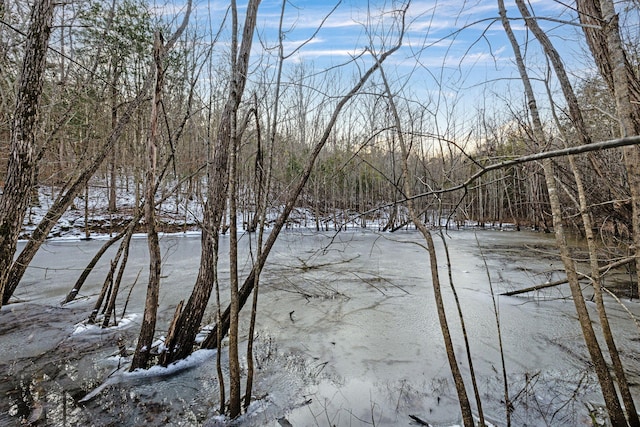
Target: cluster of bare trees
[{"x": 186, "y": 116}]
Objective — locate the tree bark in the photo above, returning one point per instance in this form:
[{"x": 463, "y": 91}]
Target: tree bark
[
  {"x": 611, "y": 59},
  {"x": 113, "y": 158},
  {"x": 235, "y": 405},
  {"x": 463, "y": 398},
  {"x": 22, "y": 159},
  {"x": 290, "y": 200},
  {"x": 148, "y": 328},
  {"x": 596, "y": 281},
  {"x": 89, "y": 268},
  {"x": 187, "y": 326},
  {"x": 626, "y": 90},
  {"x": 110, "y": 307}
]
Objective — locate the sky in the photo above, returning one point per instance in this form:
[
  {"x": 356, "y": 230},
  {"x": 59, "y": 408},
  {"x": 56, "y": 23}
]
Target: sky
[
  {"x": 451, "y": 49},
  {"x": 453, "y": 52},
  {"x": 438, "y": 32}
]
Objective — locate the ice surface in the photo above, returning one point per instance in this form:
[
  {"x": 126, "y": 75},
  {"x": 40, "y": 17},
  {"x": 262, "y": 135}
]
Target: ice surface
[{"x": 347, "y": 335}]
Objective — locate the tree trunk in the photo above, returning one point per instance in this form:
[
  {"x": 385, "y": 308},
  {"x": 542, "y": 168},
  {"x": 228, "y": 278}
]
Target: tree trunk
[
  {"x": 625, "y": 87},
  {"x": 234, "y": 358},
  {"x": 111, "y": 304},
  {"x": 87, "y": 270},
  {"x": 616, "y": 414},
  {"x": 143, "y": 348},
  {"x": 113, "y": 158},
  {"x": 607, "y": 49},
  {"x": 21, "y": 167},
  {"x": 596, "y": 281},
  {"x": 188, "y": 325},
  {"x": 463, "y": 398},
  {"x": 223, "y": 327}
]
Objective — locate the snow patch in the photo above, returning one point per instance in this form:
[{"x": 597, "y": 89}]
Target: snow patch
[{"x": 91, "y": 328}]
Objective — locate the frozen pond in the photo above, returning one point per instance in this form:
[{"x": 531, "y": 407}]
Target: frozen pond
[{"x": 348, "y": 336}]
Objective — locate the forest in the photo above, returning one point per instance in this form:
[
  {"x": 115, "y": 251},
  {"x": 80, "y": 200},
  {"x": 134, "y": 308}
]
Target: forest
[{"x": 126, "y": 122}]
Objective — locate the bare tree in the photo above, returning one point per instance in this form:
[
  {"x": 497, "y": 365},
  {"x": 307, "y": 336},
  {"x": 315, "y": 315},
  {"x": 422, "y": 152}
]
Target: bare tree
[
  {"x": 143, "y": 348},
  {"x": 608, "y": 390},
  {"x": 79, "y": 182},
  {"x": 292, "y": 195},
  {"x": 188, "y": 323},
  {"x": 22, "y": 161},
  {"x": 602, "y": 31},
  {"x": 463, "y": 398}
]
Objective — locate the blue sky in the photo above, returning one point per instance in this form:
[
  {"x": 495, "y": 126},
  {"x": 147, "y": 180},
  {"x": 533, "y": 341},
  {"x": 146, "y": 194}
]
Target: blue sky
[
  {"x": 451, "y": 31},
  {"x": 438, "y": 32},
  {"x": 458, "y": 43},
  {"x": 453, "y": 51}
]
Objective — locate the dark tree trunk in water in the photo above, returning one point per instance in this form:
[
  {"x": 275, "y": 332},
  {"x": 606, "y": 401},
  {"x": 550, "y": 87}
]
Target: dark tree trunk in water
[
  {"x": 143, "y": 348},
  {"x": 188, "y": 323},
  {"x": 22, "y": 155}
]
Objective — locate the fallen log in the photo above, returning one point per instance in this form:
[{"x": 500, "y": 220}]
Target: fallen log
[{"x": 602, "y": 269}]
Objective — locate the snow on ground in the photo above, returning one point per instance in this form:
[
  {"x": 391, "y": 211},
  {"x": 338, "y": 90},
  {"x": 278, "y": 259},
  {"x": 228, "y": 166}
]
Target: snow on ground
[
  {"x": 93, "y": 328},
  {"x": 184, "y": 214},
  {"x": 347, "y": 334},
  {"x": 176, "y": 213}
]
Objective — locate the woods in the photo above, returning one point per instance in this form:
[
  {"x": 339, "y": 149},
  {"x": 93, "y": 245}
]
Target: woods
[{"x": 225, "y": 119}]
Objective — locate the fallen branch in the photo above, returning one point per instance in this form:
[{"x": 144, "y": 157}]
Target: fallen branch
[
  {"x": 418, "y": 420},
  {"x": 603, "y": 269}
]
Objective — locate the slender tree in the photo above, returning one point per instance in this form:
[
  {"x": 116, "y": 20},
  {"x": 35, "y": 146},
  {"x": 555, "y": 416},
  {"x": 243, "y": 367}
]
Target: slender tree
[
  {"x": 295, "y": 191},
  {"x": 463, "y": 398},
  {"x": 22, "y": 156},
  {"x": 602, "y": 30},
  {"x": 143, "y": 348},
  {"x": 608, "y": 390},
  {"x": 188, "y": 323},
  {"x": 79, "y": 182}
]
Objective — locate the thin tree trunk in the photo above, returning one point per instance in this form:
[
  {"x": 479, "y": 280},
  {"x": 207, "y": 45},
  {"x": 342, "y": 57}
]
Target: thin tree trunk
[
  {"x": 113, "y": 158},
  {"x": 596, "y": 281},
  {"x": 63, "y": 201},
  {"x": 465, "y": 336},
  {"x": 147, "y": 330},
  {"x": 606, "y": 382},
  {"x": 87, "y": 270},
  {"x": 127, "y": 231},
  {"x": 223, "y": 327},
  {"x": 189, "y": 323},
  {"x": 508, "y": 405},
  {"x": 262, "y": 185},
  {"x": 235, "y": 404},
  {"x": 22, "y": 160},
  {"x": 626, "y": 90},
  {"x": 234, "y": 359},
  {"x": 259, "y": 213},
  {"x": 108, "y": 282},
  {"x": 463, "y": 398},
  {"x": 611, "y": 59},
  {"x": 111, "y": 304}
]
